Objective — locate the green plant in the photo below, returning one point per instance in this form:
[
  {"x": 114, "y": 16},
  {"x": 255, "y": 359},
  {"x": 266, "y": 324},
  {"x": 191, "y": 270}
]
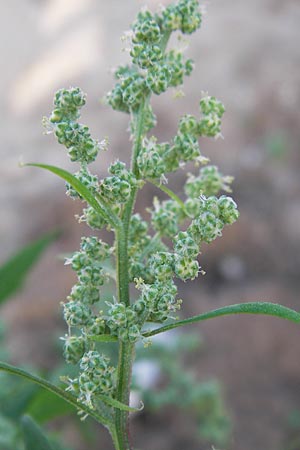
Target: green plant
[{"x": 150, "y": 261}]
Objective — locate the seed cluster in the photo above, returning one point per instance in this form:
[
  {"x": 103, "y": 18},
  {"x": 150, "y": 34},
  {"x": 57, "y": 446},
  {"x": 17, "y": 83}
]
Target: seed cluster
[
  {"x": 166, "y": 247},
  {"x": 154, "y": 69}
]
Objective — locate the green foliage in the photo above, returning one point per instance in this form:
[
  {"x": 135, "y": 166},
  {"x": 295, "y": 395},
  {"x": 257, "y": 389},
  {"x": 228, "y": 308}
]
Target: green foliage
[
  {"x": 151, "y": 255},
  {"x": 14, "y": 271},
  {"x": 33, "y": 436}
]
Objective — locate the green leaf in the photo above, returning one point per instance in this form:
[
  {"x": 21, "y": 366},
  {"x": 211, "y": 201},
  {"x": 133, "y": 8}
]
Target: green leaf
[
  {"x": 14, "y": 271},
  {"x": 262, "y": 308},
  {"x": 56, "y": 407},
  {"x": 82, "y": 190},
  {"x": 168, "y": 191},
  {"x": 33, "y": 435},
  {"x": 55, "y": 390},
  {"x": 116, "y": 404},
  {"x": 15, "y": 396}
]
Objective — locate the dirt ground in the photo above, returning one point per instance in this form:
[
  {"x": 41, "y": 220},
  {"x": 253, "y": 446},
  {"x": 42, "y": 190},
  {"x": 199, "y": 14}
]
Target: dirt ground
[{"x": 248, "y": 55}]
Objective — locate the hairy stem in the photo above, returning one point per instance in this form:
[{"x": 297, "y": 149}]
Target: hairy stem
[
  {"x": 126, "y": 350},
  {"x": 122, "y": 265},
  {"x": 126, "y": 357}
]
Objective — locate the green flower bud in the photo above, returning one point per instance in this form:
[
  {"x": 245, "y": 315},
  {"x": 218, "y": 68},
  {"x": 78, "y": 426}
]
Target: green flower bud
[
  {"x": 146, "y": 30},
  {"x": 185, "y": 245},
  {"x": 161, "y": 265},
  {"x": 163, "y": 219},
  {"x": 78, "y": 261},
  {"x": 191, "y": 23},
  {"x": 68, "y": 103},
  {"x": 86, "y": 178},
  {"x": 93, "y": 360},
  {"x": 134, "y": 333},
  {"x": 210, "y": 105},
  {"x": 228, "y": 210},
  {"x": 134, "y": 90},
  {"x": 207, "y": 227},
  {"x": 146, "y": 56},
  {"x": 188, "y": 125},
  {"x": 210, "y": 125},
  {"x": 95, "y": 248},
  {"x": 114, "y": 189},
  {"x": 151, "y": 159},
  {"x": 92, "y": 275},
  {"x": 193, "y": 207},
  {"x": 74, "y": 348},
  {"x": 209, "y": 182},
  {"x": 76, "y": 314},
  {"x": 159, "y": 78},
  {"x": 93, "y": 219},
  {"x": 117, "y": 316},
  {"x": 115, "y": 99},
  {"x": 139, "y": 306},
  {"x": 186, "y": 268},
  {"x": 186, "y": 145},
  {"x": 85, "y": 294},
  {"x": 171, "y": 18},
  {"x": 97, "y": 327}
]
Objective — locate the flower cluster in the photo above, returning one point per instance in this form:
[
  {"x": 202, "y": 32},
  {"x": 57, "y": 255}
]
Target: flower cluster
[
  {"x": 73, "y": 135},
  {"x": 154, "y": 69},
  {"x": 212, "y": 110},
  {"x": 184, "y": 16},
  {"x": 151, "y": 254},
  {"x": 209, "y": 182},
  {"x": 84, "y": 324},
  {"x": 214, "y": 213},
  {"x": 155, "y": 159},
  {"x": 117, "y": 188},
  {"x": 97, "y": 378}
]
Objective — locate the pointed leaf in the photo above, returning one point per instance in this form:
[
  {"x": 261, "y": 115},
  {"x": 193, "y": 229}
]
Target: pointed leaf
[
  {"x": 262, "y": 308},
  {"x": 33, "y": 435},
  {"x": 80, "y": 188},
  {"x": 168, "y": 191},
  {"x": 56, "y": 406},
  {"x": 55, "y": 390},
  {"x": 116, "y": 404},
  {"x": 14, "y": 271}
]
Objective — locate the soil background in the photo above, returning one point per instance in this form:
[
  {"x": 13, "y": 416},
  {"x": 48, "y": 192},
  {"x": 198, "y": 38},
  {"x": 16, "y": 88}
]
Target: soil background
[{"x": 247, "y": 54}]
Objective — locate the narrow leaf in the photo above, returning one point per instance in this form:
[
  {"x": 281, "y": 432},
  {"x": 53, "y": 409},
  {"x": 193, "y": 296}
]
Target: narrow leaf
[
  {"x": 56, "y": 406},
  {"x": 33, "y": 435},
  {"x": 168, "y": 191},
  {"x": 14, "y": 271},
  {"x": 55, "y": 390},
  {"x": 81, "y": 189},
  {"x": 116, "y": 404},
  {"x": 262, "y": 308}
]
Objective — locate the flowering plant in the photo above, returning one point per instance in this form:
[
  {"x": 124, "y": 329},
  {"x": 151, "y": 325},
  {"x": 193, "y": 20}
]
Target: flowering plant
[{"x": 149, "y": 255}]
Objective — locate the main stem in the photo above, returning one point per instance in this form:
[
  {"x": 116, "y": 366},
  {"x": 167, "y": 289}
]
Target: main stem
[
  {"x": 120, "y": 433},
  {"x": 126, "y": 349}
]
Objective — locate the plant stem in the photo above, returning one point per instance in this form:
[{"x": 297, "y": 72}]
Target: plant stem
[
  {"x": 126, "y": 350},
  {"x": 120, "y": 433},
  {"x": 122, "y": 264},
  {"x": 126, "y": 357}
]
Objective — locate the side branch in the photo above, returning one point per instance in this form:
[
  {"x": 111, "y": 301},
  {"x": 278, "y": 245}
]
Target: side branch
[{"x": 261, "y": 308}]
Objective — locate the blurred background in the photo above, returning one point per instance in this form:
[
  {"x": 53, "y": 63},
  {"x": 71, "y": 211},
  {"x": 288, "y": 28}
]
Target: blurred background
[{"x": 247, "y": 54}]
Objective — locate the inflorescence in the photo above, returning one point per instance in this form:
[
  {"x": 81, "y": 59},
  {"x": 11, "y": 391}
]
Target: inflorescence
[{"x": 164, "y": 249}]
